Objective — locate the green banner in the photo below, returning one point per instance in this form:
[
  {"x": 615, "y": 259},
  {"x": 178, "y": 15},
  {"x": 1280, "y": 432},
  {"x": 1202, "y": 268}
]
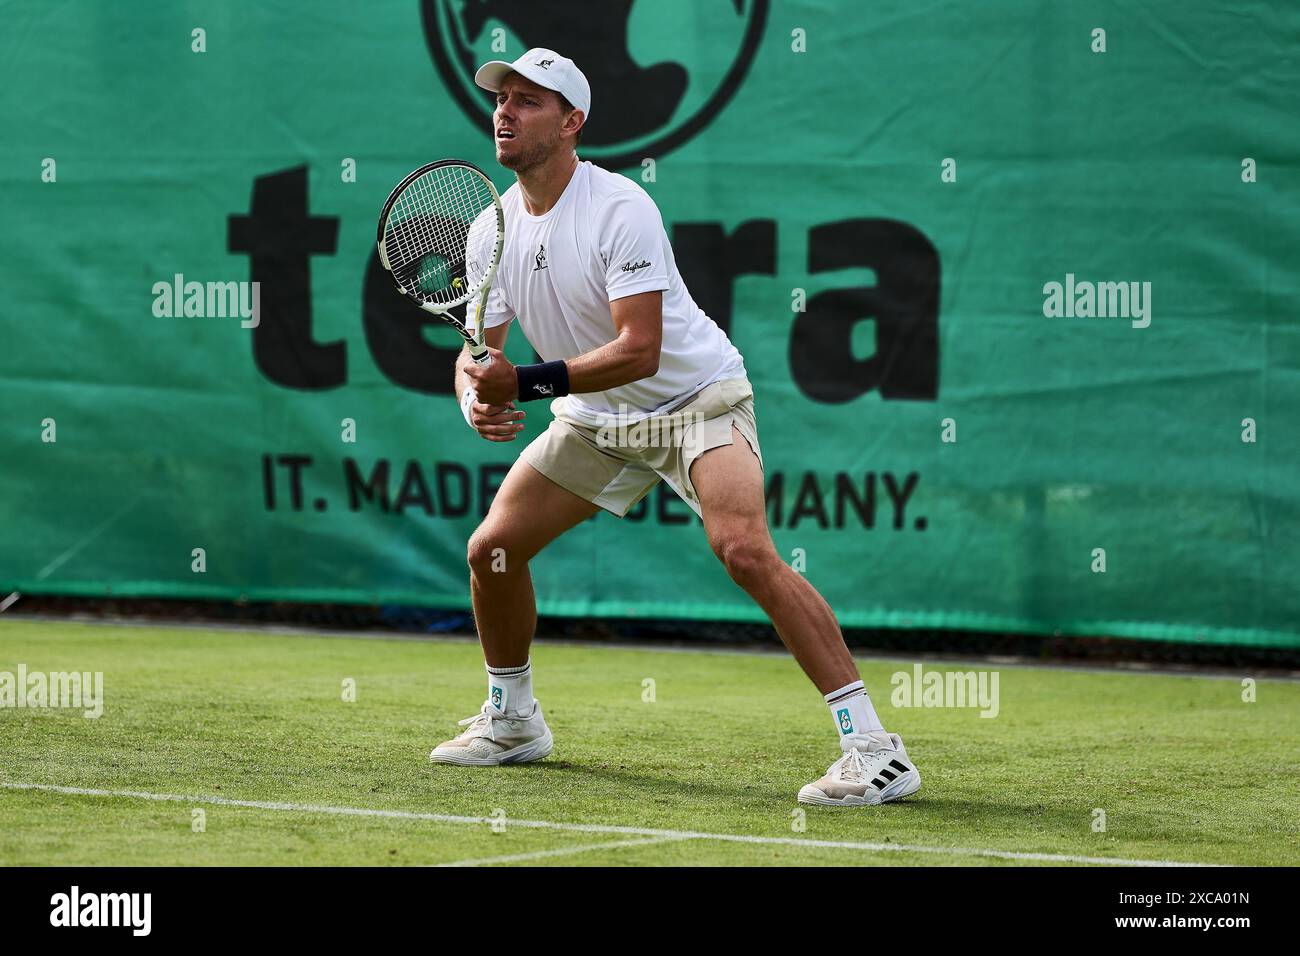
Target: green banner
[{"x": 1015, "y": 284}]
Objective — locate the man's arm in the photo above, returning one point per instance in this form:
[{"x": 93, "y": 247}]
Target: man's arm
[
  {"x": 634, "y": 353},
  {"x": 631, "y": 356}
]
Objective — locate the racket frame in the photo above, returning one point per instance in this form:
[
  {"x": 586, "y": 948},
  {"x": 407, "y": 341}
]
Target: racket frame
[{"x": 477, "y": 349}]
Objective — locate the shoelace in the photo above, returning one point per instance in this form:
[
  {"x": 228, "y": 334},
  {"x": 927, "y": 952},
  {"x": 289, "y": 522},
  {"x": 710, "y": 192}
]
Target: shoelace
[
  {"x": 855, "y": 765},
  {"x": 488, "y": 720},
  {"x": 852, "y": 766}
]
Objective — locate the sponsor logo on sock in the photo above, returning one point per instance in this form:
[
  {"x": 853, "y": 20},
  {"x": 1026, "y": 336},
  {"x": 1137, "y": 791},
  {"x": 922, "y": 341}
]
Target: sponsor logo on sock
[
  {"x": 846, "y": 722},
  {"x": 497, "y": 695}
]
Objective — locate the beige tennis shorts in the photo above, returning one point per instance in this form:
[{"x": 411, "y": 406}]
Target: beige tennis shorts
[{"x": 615, "y": 467}]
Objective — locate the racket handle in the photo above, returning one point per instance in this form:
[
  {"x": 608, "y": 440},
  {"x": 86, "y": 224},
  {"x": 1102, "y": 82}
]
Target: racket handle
[{"x": 477, "y": 350}]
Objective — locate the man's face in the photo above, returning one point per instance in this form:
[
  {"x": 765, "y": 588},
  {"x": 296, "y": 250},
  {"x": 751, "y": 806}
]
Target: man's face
[{"x": 526, "y": 123}]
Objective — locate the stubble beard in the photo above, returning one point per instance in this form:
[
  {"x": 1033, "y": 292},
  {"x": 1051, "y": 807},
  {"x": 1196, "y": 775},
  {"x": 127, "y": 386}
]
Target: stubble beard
[{"x": 526, "y": 160}]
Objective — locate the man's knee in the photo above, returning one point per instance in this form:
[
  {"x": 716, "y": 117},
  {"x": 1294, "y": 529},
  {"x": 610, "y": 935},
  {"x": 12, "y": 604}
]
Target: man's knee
[
  {"x": 747, "y": 556},
  {"x": 489, "y": 553}
]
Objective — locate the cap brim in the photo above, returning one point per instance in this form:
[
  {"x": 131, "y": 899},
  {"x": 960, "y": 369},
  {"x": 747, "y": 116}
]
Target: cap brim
[{"x": 491, "y": 74}]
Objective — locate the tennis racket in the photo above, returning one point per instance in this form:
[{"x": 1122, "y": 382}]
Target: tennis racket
[{"x": 440, "y": 237}]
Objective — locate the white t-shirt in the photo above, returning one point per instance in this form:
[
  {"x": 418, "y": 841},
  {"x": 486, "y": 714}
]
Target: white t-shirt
[{"x": 603, "y": 240}]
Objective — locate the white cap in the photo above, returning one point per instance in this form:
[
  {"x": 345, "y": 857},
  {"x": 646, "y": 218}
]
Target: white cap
[{"x": 545, "y": 68}]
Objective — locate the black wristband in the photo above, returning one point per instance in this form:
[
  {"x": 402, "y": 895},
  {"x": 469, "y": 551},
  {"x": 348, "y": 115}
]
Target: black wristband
[{"x": 544, "y": 380}]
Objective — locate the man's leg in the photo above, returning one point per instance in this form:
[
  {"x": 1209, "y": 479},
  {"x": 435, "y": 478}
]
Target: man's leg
[
  {"x": 528, "y": 512},
  {"x": 729, "y": 483},
  {"x": 875, "y": 767}
]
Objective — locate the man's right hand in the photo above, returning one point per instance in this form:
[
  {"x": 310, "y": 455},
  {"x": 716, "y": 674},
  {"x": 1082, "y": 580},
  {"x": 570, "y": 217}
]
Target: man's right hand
[{"x": 496, "y": 422}]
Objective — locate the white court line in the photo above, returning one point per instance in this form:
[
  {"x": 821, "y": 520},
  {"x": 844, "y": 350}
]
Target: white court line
[
  {"x": 595, "y": 828},
  {"x": 540, "y": 854}
]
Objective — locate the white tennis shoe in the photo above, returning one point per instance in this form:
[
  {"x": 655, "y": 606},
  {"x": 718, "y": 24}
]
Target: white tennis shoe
[
  {"x": 874, "y": 769},
  {"x": 493, "y": 738}
]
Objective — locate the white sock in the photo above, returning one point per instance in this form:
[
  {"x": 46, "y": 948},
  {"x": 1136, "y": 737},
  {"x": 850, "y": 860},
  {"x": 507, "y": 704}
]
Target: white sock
[
  {"x": 852, "y": 711},
  {"x": 510, "y": 689}
]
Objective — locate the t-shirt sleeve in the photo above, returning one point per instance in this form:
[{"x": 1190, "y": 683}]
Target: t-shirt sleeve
[{"x": 632, "y": 245}]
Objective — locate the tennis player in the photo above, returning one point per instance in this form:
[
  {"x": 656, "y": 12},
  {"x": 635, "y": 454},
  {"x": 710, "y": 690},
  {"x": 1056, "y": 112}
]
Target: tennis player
[{"x": 588, "y": 272}]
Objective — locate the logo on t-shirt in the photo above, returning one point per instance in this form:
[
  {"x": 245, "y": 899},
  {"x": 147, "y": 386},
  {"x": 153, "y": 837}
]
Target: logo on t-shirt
[
  {"x": 540, "y": 257},
  {"x": 633, "y": 266}
]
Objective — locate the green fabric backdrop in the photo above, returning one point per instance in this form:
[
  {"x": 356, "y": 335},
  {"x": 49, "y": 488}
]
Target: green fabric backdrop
[{"x": 796, "y": 146}]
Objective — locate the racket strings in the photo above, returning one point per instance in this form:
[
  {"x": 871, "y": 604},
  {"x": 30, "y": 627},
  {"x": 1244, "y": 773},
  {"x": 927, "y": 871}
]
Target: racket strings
[{"x": 440, "y": 235}]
